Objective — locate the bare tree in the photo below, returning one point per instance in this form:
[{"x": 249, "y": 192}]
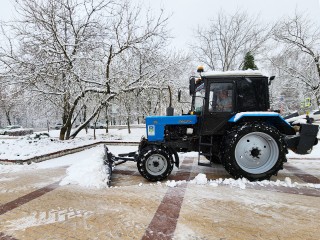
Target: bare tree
[
  {"x": 6, "y": 105},
  {"x": 298, "y": 56},
  {"x": 223, "y": 44},
  {"x": 11, "y": 97},
  {"x": 68, "y": 51}
]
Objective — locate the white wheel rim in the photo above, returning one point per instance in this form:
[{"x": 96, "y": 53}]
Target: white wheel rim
[
  {"x": 256, "y": 152},
  {"x": 156, "y": 164}
]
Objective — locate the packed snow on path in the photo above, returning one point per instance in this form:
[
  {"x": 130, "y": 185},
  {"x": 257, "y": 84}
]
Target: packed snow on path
[{"x": 86, "y": 169}]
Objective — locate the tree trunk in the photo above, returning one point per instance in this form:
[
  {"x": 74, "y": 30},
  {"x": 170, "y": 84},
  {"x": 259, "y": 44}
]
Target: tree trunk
[
  {"x": 62, "y": 133},
  {"x": 66, "y": 108},
  {"x": 85, "y": 117},
  {"x": 107, "y": 121},
  {"x": 128, "y": 124},
  {"x": 8, "y": 117},
  {"x": 68, "y": 132}
]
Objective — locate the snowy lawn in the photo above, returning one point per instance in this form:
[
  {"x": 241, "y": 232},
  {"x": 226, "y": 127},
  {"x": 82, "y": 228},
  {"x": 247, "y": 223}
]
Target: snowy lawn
[{"x": 27, "y": 147}]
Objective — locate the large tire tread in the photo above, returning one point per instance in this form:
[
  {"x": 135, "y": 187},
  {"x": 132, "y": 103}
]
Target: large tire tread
[
  {"x": 230, "y": 141},
  {"x": 145, "y": 154}
]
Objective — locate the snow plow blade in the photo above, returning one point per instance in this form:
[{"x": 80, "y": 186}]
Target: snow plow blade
[{"x": 110, "y": 160}]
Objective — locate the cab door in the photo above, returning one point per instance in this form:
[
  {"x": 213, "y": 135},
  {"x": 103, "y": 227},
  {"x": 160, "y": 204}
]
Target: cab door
[{"x": 219, "y": 107}]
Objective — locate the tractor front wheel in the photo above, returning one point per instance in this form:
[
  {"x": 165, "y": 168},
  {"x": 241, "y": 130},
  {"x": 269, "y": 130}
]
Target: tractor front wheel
[
  {"x": 255, "y": 151},
  {"x": 154, "y": 164}
]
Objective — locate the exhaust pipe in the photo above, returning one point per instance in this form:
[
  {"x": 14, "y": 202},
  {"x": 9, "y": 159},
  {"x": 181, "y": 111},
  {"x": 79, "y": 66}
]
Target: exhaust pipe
[{"x": 170, "y": 109}]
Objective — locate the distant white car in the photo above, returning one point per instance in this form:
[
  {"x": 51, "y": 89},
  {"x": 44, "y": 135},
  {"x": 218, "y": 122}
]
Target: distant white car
[
  {"x": 9, "y": 128},
  {"x": 98, "y": 125},
  {"x": 58, "y": 126}
]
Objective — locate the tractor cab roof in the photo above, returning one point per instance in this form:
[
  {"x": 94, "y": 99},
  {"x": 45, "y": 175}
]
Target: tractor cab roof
[{"x": 245, "y": 73}]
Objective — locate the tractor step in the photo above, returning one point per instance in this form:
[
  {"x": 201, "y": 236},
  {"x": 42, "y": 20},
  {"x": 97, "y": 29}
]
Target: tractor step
[
  {"x": 206, "y": 144},
  {"x": 204, "y": 164},
  {"x": 206, "y": 154}
]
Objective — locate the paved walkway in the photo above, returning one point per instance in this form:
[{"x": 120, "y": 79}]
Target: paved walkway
[{"x": 34, "y": 206}]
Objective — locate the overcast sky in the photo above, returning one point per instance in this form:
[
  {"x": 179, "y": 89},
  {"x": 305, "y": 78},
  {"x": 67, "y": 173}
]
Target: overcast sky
[{"x": 188, "y": 14}]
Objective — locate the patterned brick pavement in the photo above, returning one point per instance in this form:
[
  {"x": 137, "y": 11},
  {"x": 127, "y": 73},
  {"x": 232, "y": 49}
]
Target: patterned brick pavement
[{"x": 34, "y": 206}]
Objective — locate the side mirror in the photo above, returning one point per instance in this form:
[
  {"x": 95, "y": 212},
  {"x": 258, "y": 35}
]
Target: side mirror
[
  {"x": 271, "y": 79},
  {"x": 192, "y": 85},
  {"x": 179, "y": 95}
]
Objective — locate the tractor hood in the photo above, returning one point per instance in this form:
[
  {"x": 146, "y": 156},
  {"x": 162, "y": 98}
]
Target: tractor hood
[{"x": 156, "y": 125}]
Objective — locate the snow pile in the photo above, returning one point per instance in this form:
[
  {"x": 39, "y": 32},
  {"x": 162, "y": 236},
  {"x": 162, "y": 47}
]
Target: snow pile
[
  {"x": 174, "y": 183},
  {"x": 241, "y": 183},
  {"x": 200, "y": 179},
  {"x": 288, "y": 183},
  {"x": 90, "y": 172}
]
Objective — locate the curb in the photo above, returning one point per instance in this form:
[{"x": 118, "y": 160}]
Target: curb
[{"x": 61, "y": 153}]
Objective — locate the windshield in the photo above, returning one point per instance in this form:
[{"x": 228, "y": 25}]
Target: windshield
[{"x": 198, "y": 100}]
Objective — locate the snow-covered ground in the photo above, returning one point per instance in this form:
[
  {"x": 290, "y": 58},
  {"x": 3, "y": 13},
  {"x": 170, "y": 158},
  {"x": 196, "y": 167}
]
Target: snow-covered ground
[
  {"x": 27, "y": 147},
  {"x": 81, "y": 173}
]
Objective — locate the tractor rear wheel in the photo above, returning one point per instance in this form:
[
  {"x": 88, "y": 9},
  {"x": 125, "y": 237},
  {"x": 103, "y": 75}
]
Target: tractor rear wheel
[
  {"x": 154, "y": 164},
  {"x": 255, "y": 151}
]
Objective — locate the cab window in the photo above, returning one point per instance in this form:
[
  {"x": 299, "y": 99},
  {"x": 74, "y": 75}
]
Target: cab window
[{"x": 220, "y": 97}]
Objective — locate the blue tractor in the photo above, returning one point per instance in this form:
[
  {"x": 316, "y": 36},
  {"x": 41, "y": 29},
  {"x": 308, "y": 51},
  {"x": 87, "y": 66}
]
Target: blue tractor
[{"x": 230, "y": 123}]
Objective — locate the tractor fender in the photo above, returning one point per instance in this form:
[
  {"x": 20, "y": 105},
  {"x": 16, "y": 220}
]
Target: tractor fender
[{"x": 271, "y": 118}]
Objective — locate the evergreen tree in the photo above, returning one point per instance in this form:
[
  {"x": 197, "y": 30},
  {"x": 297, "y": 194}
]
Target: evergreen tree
[{"x": 249, "y": 62}]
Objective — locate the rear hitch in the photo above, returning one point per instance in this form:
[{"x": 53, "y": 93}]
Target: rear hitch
[
  {"x": 308, "y": 133},
  {"x": 305, "y": 140}
]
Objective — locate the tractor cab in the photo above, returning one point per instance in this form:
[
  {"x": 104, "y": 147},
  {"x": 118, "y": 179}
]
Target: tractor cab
[{"x": 218, "y": 96}]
